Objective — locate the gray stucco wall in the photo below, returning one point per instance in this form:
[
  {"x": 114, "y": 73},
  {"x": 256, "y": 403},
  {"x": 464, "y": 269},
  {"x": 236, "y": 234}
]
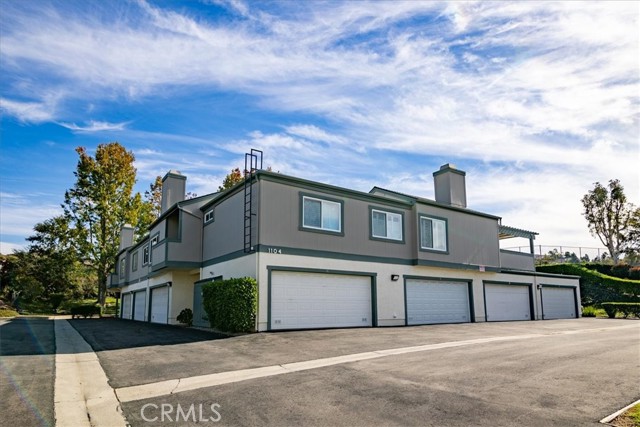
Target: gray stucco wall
[
  {"x": 472, "y": 239},
  {"x": 280, "y": 220},
  {"x": 225, "y": 234}
]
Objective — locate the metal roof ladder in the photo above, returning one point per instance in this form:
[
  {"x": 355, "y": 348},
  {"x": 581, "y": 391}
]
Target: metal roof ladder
[{"x": 252, "y": 164}]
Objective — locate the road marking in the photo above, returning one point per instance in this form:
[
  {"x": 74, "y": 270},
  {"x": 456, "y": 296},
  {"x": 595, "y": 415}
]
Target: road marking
[
  {"x": 82, "y": 395},
  {"x": 173, "y": 386}
]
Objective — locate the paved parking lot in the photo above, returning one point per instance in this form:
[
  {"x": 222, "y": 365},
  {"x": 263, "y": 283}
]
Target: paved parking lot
[
  {"x": 563, "y": 372},
  {"x": 27, "y": 352}
]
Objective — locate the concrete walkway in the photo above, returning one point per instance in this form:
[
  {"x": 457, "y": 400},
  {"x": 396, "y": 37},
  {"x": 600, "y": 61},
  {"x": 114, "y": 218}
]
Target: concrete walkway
[{"x": 82, "y": 395}]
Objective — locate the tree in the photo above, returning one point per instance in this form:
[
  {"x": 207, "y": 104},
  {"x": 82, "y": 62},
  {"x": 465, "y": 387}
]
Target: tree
[
  {"x": 99, "y": 204},
  {"x": 609, "y": 216},
  {"x": 233, "y": 178},
  {"x": 149, "y": 208}
]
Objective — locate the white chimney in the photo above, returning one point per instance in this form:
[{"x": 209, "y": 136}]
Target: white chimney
[{"x": 450, "y": 186}]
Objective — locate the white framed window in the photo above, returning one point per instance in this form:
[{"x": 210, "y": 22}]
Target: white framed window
[
  {"x": 145, "y": 255},
  {"x": 386, "y": 225},
  {"x": 321, "y": 214},
  {"x": 208, "y": 216},
  {"x": 154, "y": 240},
  {"x": 433, "y": 233}
]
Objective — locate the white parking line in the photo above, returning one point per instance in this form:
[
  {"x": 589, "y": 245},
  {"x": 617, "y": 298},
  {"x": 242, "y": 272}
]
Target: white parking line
[
  {"x": 163, "y": 388},
  {"x": 82, "y": 395}
]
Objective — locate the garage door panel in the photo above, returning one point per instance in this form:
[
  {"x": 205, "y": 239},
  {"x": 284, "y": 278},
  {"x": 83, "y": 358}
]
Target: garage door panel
[
  {"x": 507, "y": 302},
  {"x": 126, "y": 306},
  {"x": 558, "y": 303},
  {"x": 160, "y": 305},
  {"x": 317, "y": 300},
  {"x": 139, "y": 305},
  {"x": 430, "y": 302}
]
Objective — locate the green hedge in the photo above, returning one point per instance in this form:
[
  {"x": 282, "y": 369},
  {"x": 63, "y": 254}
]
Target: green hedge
[
  {"x": 595, "y": 287},
  {"x": 625, "y": 308},
  {"x": 232, "y": 304}
]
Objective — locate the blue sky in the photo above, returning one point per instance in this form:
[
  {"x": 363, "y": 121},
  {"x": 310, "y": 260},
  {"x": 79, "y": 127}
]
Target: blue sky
[{"x": 534, "y": 100}]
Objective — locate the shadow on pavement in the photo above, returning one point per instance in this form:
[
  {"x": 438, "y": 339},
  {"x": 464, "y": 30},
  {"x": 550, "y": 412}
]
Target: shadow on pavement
[
  {"x": 115, "y": 334},
  {"x": 24, "y": 336}
]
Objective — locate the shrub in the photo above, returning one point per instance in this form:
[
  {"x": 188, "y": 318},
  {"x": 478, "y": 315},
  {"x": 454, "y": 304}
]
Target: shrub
[
  {"x": 620, "y": 270},
  {"x": 589, "y": 311},
  {"x": 634, "y": 273},
  {"x": 625, "y": 308},
  {"x": 185, "y": 317},
  {"x": 8, "y": 312},
  {"x": 85, "y": 310},
  {"x": 232, "y": 304},
  {"x": 595, "y": 287}
]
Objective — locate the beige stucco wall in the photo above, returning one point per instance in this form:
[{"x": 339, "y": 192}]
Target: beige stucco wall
[{"x": 390, "y": 294}]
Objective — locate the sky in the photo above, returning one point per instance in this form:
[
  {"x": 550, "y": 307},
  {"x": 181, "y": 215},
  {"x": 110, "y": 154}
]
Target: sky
[{"x": 536, "y": 101}]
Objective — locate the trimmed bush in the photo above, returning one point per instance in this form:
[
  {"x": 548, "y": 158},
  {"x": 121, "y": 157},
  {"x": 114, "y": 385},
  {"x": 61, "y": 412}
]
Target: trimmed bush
[
  {"x": 232, "y": 304},
  {"x": 595, "y": 287},
  {"x": 185, "y": 317},
  {"x": 620, "y": 270},
  {"x": 625, "y": 308},
  {"x": 634, "y": 273},
  {"x": 589, "y": 311},
  {"x": 85, "y": 310}
]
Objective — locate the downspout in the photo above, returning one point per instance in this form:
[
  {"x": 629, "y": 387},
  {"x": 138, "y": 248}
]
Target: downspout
[{"x": 257, "y": 252}]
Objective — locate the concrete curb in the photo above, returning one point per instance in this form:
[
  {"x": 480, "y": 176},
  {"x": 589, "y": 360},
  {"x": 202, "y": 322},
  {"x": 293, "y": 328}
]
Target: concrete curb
[{"x": 607, "y": 420}]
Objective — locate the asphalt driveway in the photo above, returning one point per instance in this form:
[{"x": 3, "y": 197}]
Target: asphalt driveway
[
  {"x": 27, "y": 369},
  {"x": 564, "y": 372}
]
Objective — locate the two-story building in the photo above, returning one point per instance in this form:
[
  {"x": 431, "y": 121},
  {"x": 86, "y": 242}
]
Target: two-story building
[{"x": 326, "y": 256}]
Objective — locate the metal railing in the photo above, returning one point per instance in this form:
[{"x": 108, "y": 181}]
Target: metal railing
[{"x": 580, "y": 252}]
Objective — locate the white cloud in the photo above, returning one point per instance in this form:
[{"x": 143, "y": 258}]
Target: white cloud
[
  {"x": 20, "y": 212},
  {"x": 95, "y": 126},
  {"x": 7, "y": 248},
  {"x": 529, "y": 86},
  {"x": 32, "y": 112}
]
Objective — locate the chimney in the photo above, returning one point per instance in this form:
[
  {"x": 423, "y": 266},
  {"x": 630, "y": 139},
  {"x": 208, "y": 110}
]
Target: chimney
[
  {"x": 173, "y": 188},
  {"x": 126, "y": 236},
  {"x": 450, "y": 186}
]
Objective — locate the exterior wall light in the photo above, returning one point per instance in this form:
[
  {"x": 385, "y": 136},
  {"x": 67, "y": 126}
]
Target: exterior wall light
[{"x": 394, "y": 277}]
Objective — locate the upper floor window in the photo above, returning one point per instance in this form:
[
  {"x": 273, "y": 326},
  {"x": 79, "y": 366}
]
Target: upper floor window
[
  {"x": 145, "y": 255},
  {"x": 433, "y": 233},
  {"x": 123, "y": 268},
  {"x": 208, "y": 217},
  {"x": 386, "y": 225},
  {"x": 134, "y": 262},
  {"x": 154, "y": 240},
  {"x": 321, "y": 214}
]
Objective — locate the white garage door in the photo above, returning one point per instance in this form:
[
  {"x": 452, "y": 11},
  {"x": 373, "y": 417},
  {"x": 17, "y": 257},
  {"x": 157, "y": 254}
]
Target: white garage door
[
  {"x": 558, "y": 303},
  {"x": 126, "y": 306},
  {"x": 139, "y": 305},
  {"x": 437, "y": 302},
  {"x": 160, "y": 304},
  {"x": 507, "y": 302},
  {"x": 314, "y": 300}
]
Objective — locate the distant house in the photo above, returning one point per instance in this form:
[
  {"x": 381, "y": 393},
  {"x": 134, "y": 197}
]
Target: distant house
[{"x": 325, "y": 256}]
